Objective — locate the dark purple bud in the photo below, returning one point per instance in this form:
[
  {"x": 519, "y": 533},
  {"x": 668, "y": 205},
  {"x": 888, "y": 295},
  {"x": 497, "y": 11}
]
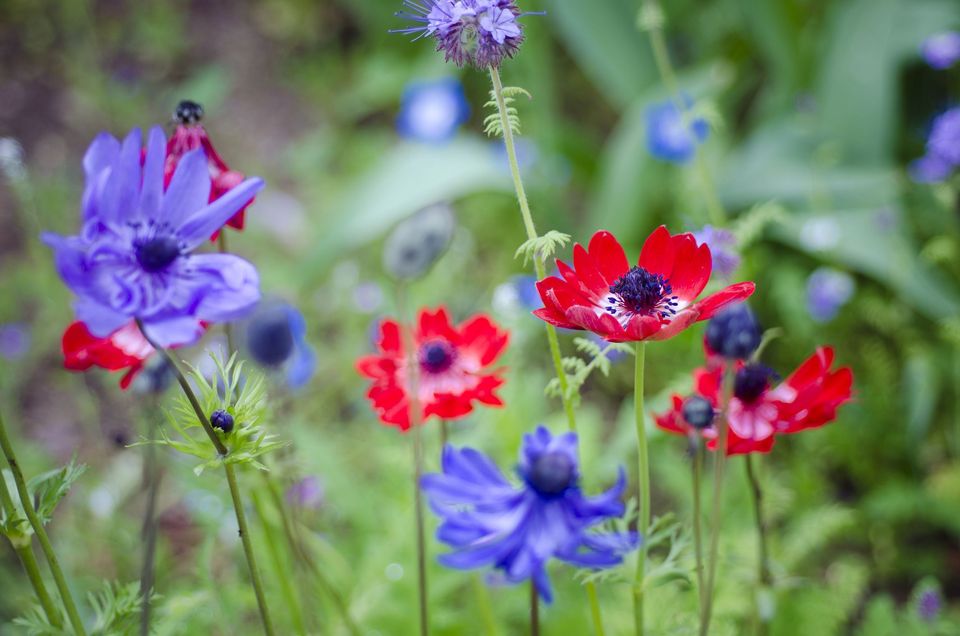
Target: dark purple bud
[
  {"x": 188, "y": 112},
  {"x": 734, "y": 333},
  {"x": 222, "y": 420},
  {"x": 698, "y": 412}
]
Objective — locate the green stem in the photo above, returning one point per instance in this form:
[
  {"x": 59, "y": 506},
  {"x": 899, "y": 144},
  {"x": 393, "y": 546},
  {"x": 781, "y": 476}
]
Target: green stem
[
  {"x": 661, "y": 56},
  {"x": 720, "y": 458},
  {"x": 534, "y": 610},
  {"x": 595, "y": 614},
  {"x": 149, "y": 530},
  {"x": 305, "y": 558},
  {"x": 28, "y": 559},
  {"x": 483, "y": 603},
  {"x": 244, "y": 532},
  {"x": 444, "y": 434},
  {"x": 72, "y": 614},
  {"x": 643, "y": 486},
  {"x": 531, "y": 230},
  {"x": 763, "y": 566},
  {"x": 231, "y": 479},
  {"x": 227, "y": 326},
  {"x": 279, "y": 568},
  {"x": 697, "y": 532}
]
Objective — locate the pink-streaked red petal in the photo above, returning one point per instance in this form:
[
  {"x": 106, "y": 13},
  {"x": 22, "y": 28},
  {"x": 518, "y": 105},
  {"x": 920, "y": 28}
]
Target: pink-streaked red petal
[
  {"x": 677, "y": 323},
  {"x": 435, "y": 324},
  {"x": 603, "y": 325},
  {"x": 643, "y": 328}
]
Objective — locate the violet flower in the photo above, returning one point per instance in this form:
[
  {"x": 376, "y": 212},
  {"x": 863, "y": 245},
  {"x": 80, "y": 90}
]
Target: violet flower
[
  {"x": 943, "y": 149},
  {"x": 941, "y": 51},
  {"x": 723, "y": 249},
  {"x": 670, "y": 135},
  {"x": 489, "y": 521},
  {"x": 134, "y": 256}
]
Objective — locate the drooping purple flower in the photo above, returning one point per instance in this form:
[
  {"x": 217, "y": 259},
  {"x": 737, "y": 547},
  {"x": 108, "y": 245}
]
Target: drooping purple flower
[
  {"x": 478, "y": 32},
  {"x": 276, "y": 338},
  {"x": 929, "y": 604},
  {"x": 941, "y": 51},
  {"x": 134, "y": 256},
  {"x": 828, "y": 290},
  {"x": 673, "y": 135},
  {"x": 943, "y": 149},
  {"x": 723, "y": 249},
  {"x": 432, "y": 111},
  {"x": 518, "y": 529}
]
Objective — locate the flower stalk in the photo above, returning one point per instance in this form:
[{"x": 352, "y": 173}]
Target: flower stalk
[
  {"x": 231, "y": 482},
  {"x": 643, "y": 486},
  {"x": 283, "y": 578},
  {"x": 534, "y": 610},
  {"x": 59, "y": 579},
  {"x": 152, "y": 475},
  {"x": 28, "y": 559},
  {"x": 764, "y": 576},
  {"x": 697, "y": 531}
]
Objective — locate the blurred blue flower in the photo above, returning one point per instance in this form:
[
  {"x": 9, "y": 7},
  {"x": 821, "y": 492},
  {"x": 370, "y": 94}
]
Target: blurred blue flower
[
  {"x": 929, "y": 605},
  {"x": 519, "y": 293},
  {"x": 307, "y": 493},
  {"x": 943, "y": 149},
  {"x": 828, "y": 290},
  {"x": 276, "y": 339},
  {"x": 723, "y": 249},
  {"x": 669, "y": 137},
  {"x": 489, "y": 521},
  {"x": 432, "y": 111},
  {"x": 941, "y": 51},
  {"x": 14, "y": 340},
  {"x": 135, "y": 256}
]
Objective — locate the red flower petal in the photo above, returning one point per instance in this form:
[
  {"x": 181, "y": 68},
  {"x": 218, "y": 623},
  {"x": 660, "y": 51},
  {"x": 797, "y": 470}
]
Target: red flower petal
[
  {"x": 588, "y": 273},
  {"x": 603, "y": 324},
  {"x": 657, "y": 255},
  {"x": 643, "y": 327},
  {"x": 480, "y": 335},
  {"x": 691, "y": 268},
  {"x": 709, "y": 306},
  {"x": 610, "y": 258}
]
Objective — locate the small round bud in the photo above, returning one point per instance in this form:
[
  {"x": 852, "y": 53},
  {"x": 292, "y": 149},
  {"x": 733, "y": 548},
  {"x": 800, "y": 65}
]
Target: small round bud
[
  {"x": 222, "y": 420},
  {"x": 751, "y": 381},
  {"x": 418, "y": 241},
  {"x": 269, "y": 337},
  {"x": 734, "y": 333},
  {"x": 552, "y": 473},
  {"x": 698, "y": 412},
  {"x": 188, "y": 112}
]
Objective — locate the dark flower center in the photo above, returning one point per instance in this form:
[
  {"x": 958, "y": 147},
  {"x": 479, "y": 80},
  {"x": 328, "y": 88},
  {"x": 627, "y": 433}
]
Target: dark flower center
[
  {"x": 222, "y": 420},
  {"x": 552, "y": 473},
  {"x": 157, "y": 253},
  {"x": 188, "y": 112},
  {"x": 751, "y": 381},
  {"x": 734, "y": 332},
  {"x": 644, "y": 293},
  {"x": 436, "y": 356},
  {"x": 698, "y": 412}
]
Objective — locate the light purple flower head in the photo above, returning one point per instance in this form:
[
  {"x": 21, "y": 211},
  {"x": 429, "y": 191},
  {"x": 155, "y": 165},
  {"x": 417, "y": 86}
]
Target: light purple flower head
[
  {"x": 828, "y": 290},
  {"x": 134, "y": 256},
  {"x": 518, "y": 529},
  {"x": 943, "y": 149},
  {"x": 723, "y": 249},
  {"x": 941, "y": 51},
  {"x": 478, "y": 32}
]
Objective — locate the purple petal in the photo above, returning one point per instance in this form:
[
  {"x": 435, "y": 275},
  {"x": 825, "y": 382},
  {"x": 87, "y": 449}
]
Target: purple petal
[
  {"x": 119, "y": 200},
  {"x": 99, "y": 319},
  {"x": 229, "y": 286},
  {"x": 203, "y": 223},
  {"x": 189, "y": 189},
  {"x": 99, "y": 158},
  {"x": 151, "y": 192},
  {"x": 178, "y": 331}
]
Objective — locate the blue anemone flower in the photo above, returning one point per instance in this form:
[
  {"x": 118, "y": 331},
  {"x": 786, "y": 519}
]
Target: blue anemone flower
[
  {"x": 432, "y": 111},
  {"x": 276, "y": 338},
  {"x": 518, "y": 529},
  {"x": 669, "y": 136},
  {"x": 135, "y": 254}
]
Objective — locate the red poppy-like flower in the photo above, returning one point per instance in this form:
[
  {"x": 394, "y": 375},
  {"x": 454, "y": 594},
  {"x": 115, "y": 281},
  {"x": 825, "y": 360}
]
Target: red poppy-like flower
[
  {"x": 654, "y": 300},
  {"x": 808, "y": 398},
  {"x": 453, "y": 367},
  {"x": 190, "y": 135},
  {"x": 125, "y": 348}
]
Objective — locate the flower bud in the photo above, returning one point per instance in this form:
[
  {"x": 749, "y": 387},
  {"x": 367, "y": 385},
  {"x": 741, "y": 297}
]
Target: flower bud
[
  {"x": 269, "y": 337},
  {"x": 698, "y": 412},
  {"x": 734, "y": 333},
  {"x": 222, "y": 420},
  {"x": 417, "y": 242}
]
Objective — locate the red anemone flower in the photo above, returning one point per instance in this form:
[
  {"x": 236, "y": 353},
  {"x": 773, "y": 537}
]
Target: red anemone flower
[
  {"x": 808, "y": 398},
  {"x": 188, "y": 136},
  {"x": 653, "y": 301},
  {"x": 125, "y": 348},
  {"x": 452, "y": 367}
]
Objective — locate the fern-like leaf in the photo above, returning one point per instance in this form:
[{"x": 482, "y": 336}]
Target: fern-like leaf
[{"x": 542, "y": 247}]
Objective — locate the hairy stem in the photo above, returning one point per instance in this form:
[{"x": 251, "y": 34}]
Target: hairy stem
[
  {"x": 61, "y": 582},
  {"x": 720, "y": 458},
  {"x": 28, "y": 559},
  {"x": 643, "y": 486}
]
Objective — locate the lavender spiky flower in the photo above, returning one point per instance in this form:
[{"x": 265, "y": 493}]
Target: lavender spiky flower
[
  {"x": 489, "y": 521},
  {"x": 477, "y": 32},
  {"x": 134, "y": 256}
]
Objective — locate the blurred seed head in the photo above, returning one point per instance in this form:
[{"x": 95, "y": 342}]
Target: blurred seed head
[
  {"x": 417, "y": 242},
  {"x": 269, "y": 337},
  {"x": 698, "y": 412},
  {"x": 188, "y": 112}
]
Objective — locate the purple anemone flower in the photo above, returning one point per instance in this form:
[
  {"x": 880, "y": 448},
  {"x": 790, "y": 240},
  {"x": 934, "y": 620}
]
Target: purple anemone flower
[
  {"x": 941, "y": 51},
  {"x": 134, "y": 256},
  {"x": 478, "y": 32},
  {"x": 723, "y": 249},
  {"x": 518, "y": 529},
  {"x": 670, "y": 136},
  {"x": 943, "y": 149}
]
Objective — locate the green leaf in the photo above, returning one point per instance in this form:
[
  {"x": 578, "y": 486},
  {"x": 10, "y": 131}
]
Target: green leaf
[
  {"x": 50, "y": 487},
  {"x": 921, "y": 388}
]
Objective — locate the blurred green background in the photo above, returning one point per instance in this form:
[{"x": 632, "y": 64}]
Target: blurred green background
[{"x": 816, "y": 107}]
